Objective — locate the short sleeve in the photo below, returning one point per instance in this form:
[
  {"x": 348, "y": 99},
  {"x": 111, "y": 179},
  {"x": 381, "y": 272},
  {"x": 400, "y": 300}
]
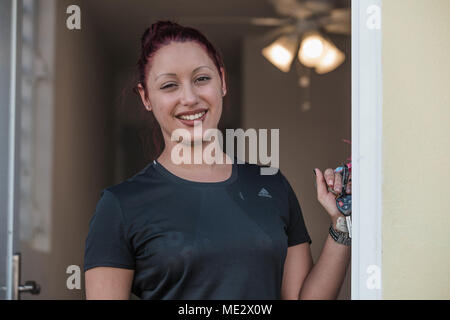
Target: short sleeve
[
  {"x": 296, "y": 231},
  {"x": 106, "y": 243}
]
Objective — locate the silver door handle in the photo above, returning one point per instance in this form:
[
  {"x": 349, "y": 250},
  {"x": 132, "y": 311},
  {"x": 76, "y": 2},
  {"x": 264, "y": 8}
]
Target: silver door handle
[{"x": 29, "y": 286}]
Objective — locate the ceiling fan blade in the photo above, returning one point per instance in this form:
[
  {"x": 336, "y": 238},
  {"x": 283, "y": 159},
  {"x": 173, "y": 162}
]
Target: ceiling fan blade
[
  {"x": 338, "y": 21},
  {"x": 271, "y": 35},
  {"x": 319, "y": 6},
  {"x": 258, "y": 21},
  {"x": 338, "y": 28},
  {"x": 292, "y": 8},
  {"x": 345, "y": 12},
  {"x": 270, "y": 22},
  {"x": 340, "y": 15}
]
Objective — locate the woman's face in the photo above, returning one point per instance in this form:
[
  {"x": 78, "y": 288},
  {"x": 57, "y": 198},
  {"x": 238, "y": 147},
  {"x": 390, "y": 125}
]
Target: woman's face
[{"x": 184, "y": 88}]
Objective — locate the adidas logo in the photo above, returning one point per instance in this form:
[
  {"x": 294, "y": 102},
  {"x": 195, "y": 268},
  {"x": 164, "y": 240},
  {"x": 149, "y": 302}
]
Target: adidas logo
[{"x": 264, "y": 193}]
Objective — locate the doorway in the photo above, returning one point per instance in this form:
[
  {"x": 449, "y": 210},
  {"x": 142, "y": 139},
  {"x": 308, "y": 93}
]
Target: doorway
[{"x": 78, "y": 127}]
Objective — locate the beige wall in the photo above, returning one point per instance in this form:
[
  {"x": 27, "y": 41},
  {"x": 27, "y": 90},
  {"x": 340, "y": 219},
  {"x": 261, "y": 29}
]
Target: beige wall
[
  {"x": 272, "y": 99},
  {"x": 82, "y": 154},
  {"x": 416, "y": 149}
]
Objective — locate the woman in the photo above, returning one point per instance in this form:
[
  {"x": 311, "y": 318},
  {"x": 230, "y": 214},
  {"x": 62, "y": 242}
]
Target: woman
[{"x": 203, "y": 231}]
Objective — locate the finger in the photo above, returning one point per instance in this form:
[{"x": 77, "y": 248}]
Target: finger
[
  {"x": 338, "y": 182},
  {"x": 329, "y": 177},
  {"x": 321, "y": 185},
  {"x": 349, "y": 188},
  {"x": 349, "y": 183}
]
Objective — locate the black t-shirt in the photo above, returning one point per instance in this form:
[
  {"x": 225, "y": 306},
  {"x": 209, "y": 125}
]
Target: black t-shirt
[{"x": 198, "y": 240}]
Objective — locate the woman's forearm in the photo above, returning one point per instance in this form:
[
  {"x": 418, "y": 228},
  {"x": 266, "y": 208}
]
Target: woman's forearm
[{"x": 325, "y": 279}]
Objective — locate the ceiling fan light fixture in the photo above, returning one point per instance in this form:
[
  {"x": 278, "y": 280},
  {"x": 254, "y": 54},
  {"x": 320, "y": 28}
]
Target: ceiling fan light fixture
[
  {"x": 281, "y": 52},
  {"x": 331, "y": 59},
  {"x": 312, "y": 49}
]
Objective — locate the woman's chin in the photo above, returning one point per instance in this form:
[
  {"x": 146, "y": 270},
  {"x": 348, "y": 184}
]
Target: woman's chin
[{"x": 192, "y": 141}]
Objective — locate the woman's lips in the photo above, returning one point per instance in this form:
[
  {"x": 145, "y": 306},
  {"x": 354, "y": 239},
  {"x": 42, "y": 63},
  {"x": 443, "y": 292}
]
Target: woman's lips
[{"x": 190, "y": 123}]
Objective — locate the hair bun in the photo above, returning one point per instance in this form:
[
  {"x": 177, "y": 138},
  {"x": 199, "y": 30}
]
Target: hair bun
[{"x": 155, "y": 29}]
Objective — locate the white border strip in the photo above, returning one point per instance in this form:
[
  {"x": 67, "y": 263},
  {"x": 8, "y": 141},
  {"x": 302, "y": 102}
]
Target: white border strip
[
  {"x": 366, "y": 150},
  {"x": 11, "y": 152}
]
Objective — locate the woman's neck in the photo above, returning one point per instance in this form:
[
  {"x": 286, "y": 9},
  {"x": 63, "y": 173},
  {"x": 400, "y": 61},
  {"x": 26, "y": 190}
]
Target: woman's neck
[{"x": 195, "y": 167}]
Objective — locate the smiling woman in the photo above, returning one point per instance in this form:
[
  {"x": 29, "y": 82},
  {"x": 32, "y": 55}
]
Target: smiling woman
[
  {"x": 159, "y": 83},
  {"x": 202, "y": 230},
  {"x": 193, "y": 91}
]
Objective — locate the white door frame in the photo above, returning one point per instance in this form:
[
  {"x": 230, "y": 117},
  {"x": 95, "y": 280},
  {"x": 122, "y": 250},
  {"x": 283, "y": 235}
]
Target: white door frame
[
  {"x": 366, "y": 150},
  {"x": 11, "y": 206}
]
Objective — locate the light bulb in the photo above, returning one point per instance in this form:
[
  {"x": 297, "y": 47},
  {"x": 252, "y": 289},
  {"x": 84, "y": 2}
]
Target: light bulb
[
  {"x": 311, "y": 50},
  {"x": 332, "y": 59},
  {"x": 281, "y": 52}
]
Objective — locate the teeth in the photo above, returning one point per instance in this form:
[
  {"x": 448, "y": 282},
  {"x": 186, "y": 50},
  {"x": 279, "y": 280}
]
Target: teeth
[{"x": 193, "y": 116}]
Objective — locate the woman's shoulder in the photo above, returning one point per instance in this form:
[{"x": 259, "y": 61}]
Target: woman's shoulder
[{"x": 134, "y": 187}]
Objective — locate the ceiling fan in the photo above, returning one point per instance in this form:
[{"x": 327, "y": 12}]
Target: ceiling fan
[{"x": 308, "y": 22}]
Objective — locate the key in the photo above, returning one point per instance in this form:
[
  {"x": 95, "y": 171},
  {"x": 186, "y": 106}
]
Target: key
[
  {"x": 344, "y": 200},
  {"x": 348, "y": 220}
]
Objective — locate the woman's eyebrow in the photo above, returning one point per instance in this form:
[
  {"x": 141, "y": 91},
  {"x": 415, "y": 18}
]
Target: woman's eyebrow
[
  {"x": 173, "y": 74},
  {"x": 202, "y": 67}
]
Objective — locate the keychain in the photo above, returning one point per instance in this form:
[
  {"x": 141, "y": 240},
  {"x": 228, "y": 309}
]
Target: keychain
[{"x": 344, "y": 200}]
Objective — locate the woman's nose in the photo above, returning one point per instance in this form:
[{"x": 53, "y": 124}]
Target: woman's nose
[{"x": 188, "y": 95}]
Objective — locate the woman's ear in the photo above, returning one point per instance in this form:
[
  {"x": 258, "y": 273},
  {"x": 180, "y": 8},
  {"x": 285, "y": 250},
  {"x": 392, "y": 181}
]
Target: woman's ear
[
  {"x": 144, "y": 99},
  {"x": 224, "y": 85}
]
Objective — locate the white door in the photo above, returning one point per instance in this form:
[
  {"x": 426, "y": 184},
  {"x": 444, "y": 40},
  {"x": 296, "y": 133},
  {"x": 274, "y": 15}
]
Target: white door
[
  {"x": 8, "y": 31},
  {"x": 12, "y": 40}
]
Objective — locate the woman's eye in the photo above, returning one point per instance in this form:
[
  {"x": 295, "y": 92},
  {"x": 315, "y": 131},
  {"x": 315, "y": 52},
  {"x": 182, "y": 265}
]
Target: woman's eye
[
  {"x": 170, "y": 85},
  {"x": 205, "y": 78}
]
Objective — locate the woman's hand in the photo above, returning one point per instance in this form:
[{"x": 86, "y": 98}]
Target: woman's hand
[{"x": 327, "y": 183}]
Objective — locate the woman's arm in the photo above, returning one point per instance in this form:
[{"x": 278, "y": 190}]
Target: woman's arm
[
  {"x": 297, "y": 266},
  {"x": 107, "y": 283},
  {"x": 302, "y": 280},
  {"x": 325, "y": 279}
]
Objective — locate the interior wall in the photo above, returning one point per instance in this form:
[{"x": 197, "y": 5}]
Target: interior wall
[
  {"x": 416, "y": 149},
  {"x": 311, "y": 139},
  {"x": 82, "y": 158}
]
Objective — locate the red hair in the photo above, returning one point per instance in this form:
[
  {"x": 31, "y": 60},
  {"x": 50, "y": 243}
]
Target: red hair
[{"x": 159, "y": 34}]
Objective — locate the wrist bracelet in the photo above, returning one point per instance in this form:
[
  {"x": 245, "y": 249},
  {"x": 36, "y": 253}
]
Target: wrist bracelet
[{"x": 340, "y": 237}]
